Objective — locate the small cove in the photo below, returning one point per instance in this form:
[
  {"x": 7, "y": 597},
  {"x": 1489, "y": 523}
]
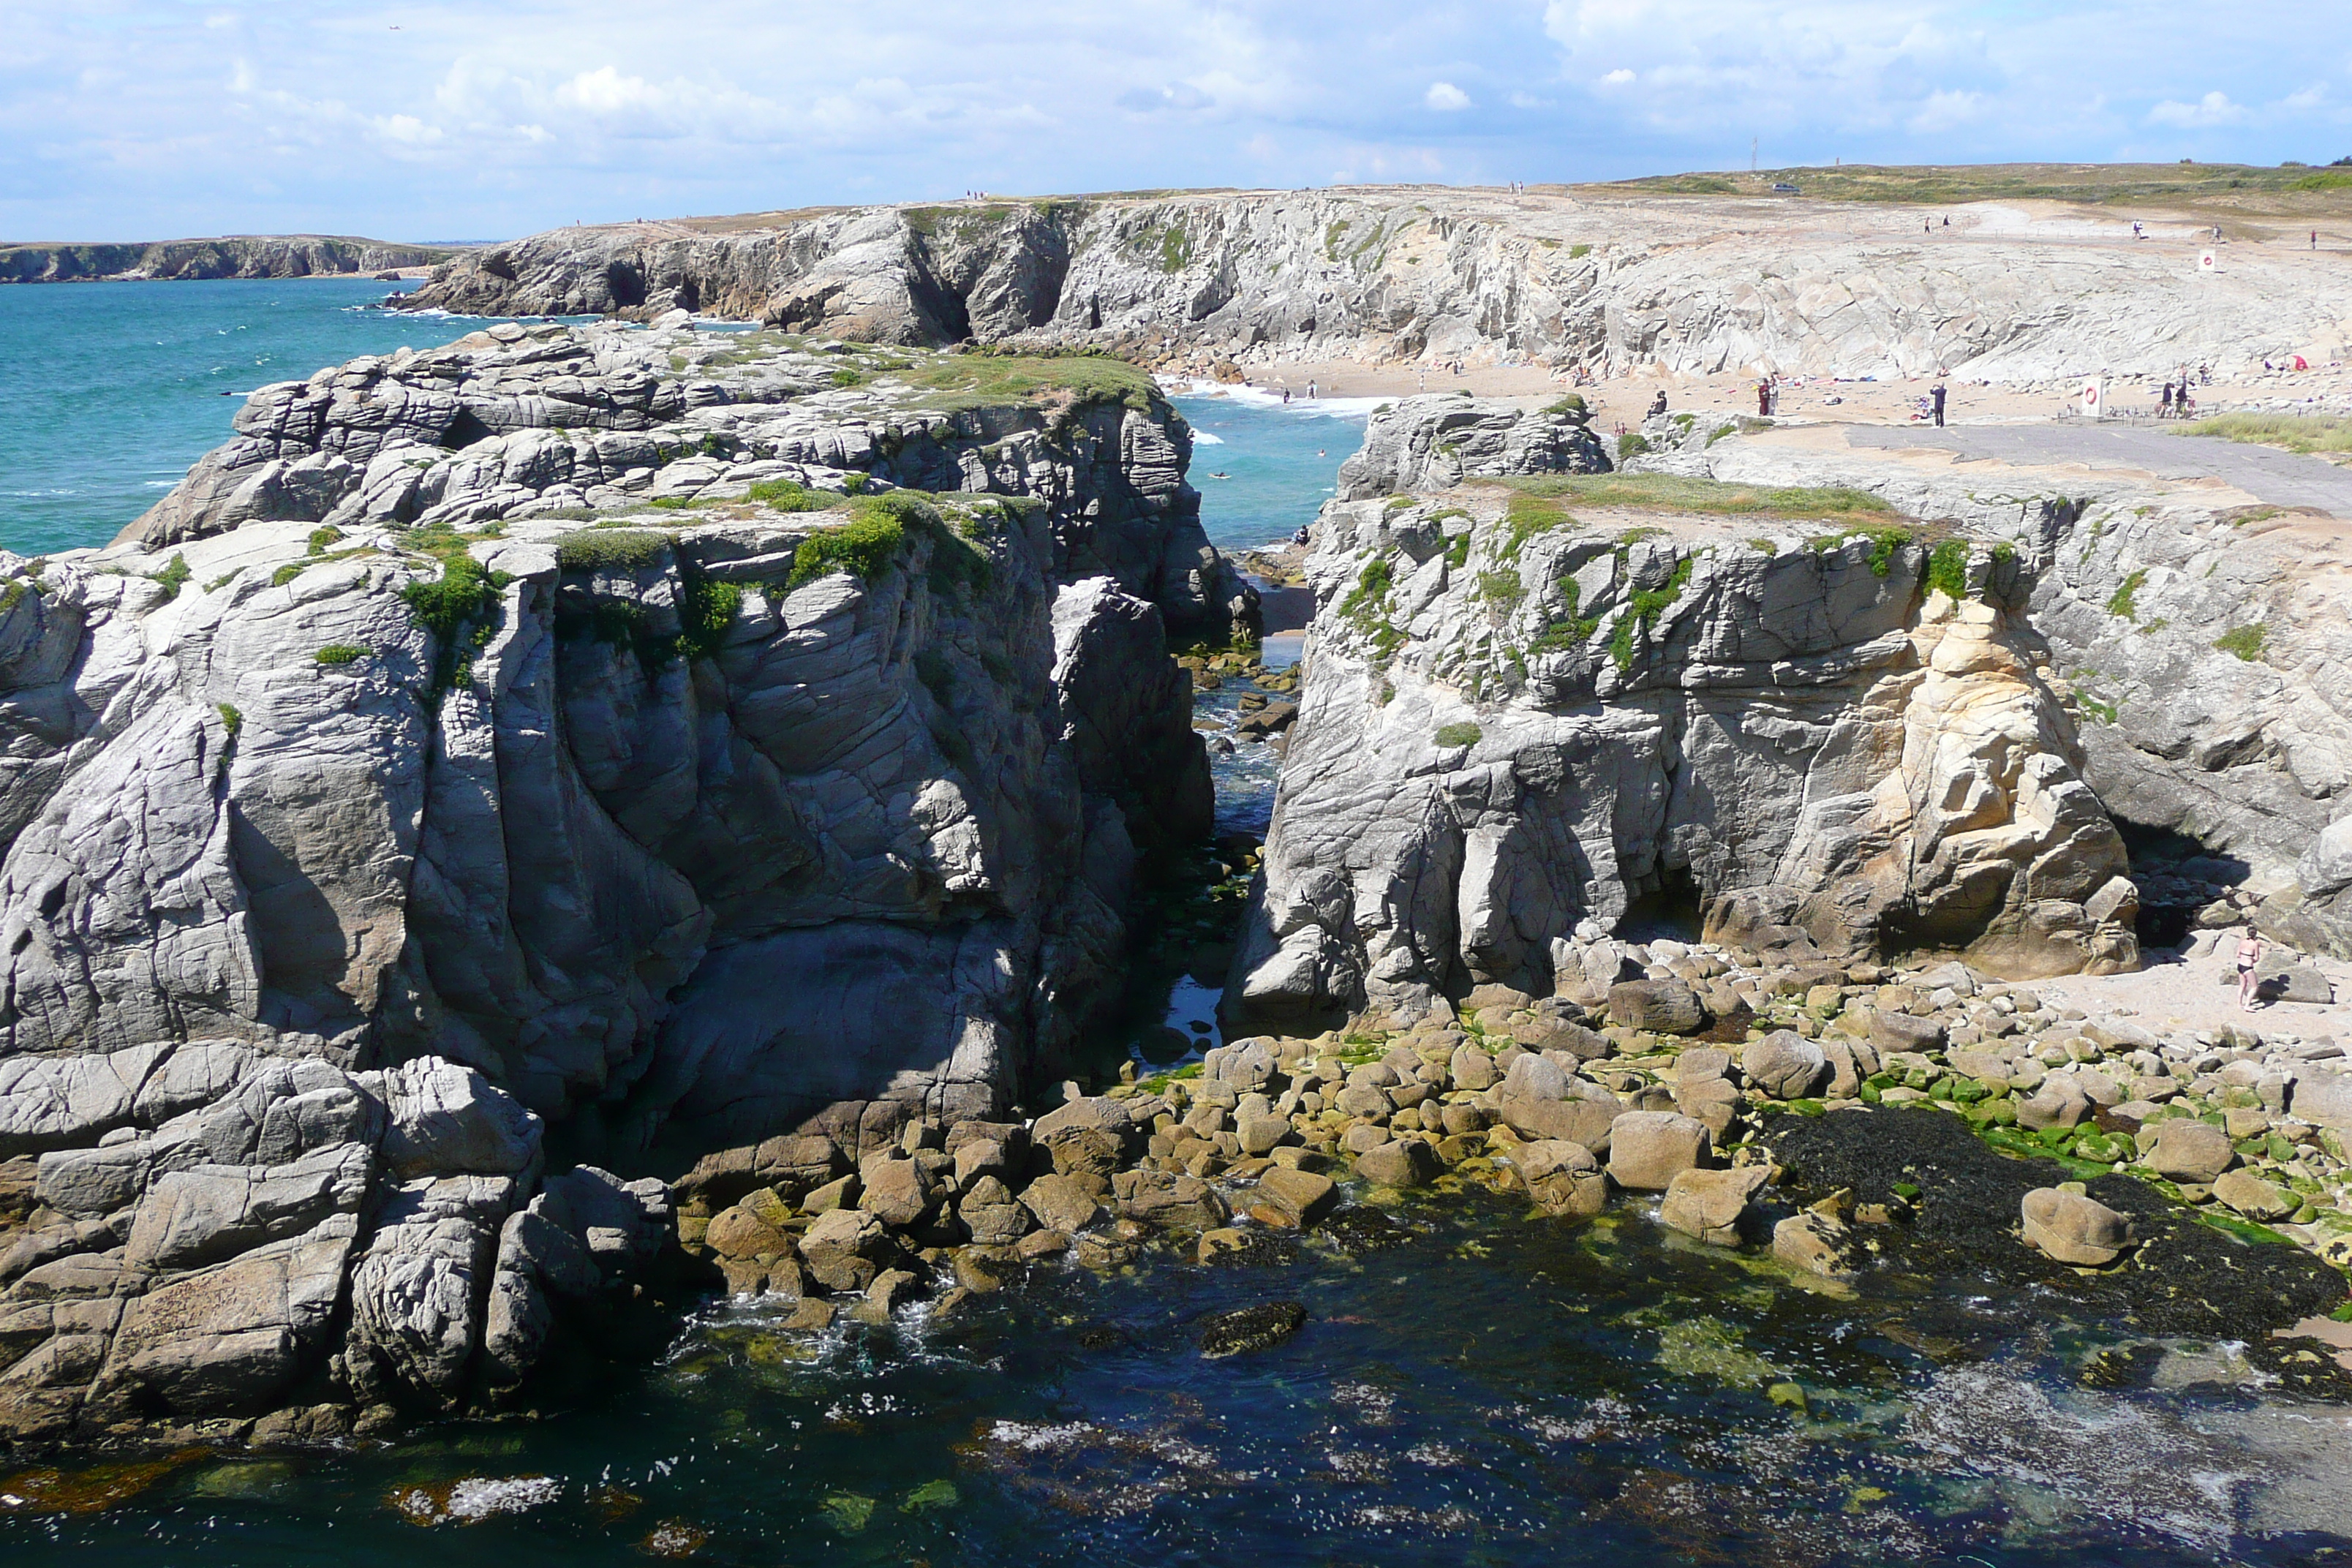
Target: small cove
[{"x": 1471, "y": 1385}]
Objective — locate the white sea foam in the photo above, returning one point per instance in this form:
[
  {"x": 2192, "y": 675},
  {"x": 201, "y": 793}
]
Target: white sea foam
[{"x": 1202, "y": 439}]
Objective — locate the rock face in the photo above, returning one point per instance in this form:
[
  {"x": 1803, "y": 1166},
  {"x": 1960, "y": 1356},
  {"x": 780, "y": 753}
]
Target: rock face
[
  {"x": 1411, "y": 274},
  {"x": 1514, "y": 724},
  {"x": 340, "y": 850},
  {"x": 244, "y": 255},
  {"x": 512, "y": 423},
  {"x": 1434, "y": 443},
  {"x": 224, "y": 1227}
]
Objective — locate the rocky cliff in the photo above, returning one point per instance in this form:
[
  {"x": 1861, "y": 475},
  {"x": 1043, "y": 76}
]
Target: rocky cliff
[
  {"x": 455, "y": 757},
  {"x": 1801, "y": 715},
  {"x": 238, "y": 256},
  {"x": 1609, "y": 281}
]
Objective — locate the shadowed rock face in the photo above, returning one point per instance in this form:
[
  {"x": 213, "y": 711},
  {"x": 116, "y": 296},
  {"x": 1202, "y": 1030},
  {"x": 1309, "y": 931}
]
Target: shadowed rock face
[{"x": 1508, "y": 734}]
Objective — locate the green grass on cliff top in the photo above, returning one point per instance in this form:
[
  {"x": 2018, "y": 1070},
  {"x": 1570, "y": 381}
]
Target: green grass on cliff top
[
  {"x": 2295, "y": 432},
  {"x": 1713, "y": 497},
  {"x": 985, "y": 380},
  {"x": 2290, "y": 188}
]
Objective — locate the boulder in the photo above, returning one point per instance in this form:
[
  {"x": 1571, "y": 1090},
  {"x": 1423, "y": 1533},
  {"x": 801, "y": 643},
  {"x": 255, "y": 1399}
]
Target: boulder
[
  {"x": 1472, "y": 1067},
  {"x": 2073, "y": 1229},
  {"x": 897, "y": 1192},
  {"x": 1711, "y": 1205},
  {"x": 1174, "y": 1202},
  {"x": 1561, "y": 1177},
  {"x": 1295, "y": 1198},
  {"x": 845, "y": 1249},
  {"x": 448, "y": 1120},
  {"x": 993, "y": 1215},
  {"x": 2188, "y": 1151},
  {"x": 2255, "y": 1197},
  {"x": 1647, "y": 1149},
  {"x": 1064, "y": 1203},
  {"x": 1816, "y": 1242},
  {"x": 1784, "y": 1065},
  {"x": 1657, "y": 1006},
  {"x": 1092, "y": 1136},
  {"x": 2059, "y": 1102},
  {"x": 1399, "y": 1163}
]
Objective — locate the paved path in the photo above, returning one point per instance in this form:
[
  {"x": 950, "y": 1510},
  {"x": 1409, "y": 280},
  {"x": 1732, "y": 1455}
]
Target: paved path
[{"x": 2276, "y": 477}]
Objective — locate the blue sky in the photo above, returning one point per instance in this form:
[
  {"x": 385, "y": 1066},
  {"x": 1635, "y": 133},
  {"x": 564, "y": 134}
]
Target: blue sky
[{"x": 147, "y": 119}]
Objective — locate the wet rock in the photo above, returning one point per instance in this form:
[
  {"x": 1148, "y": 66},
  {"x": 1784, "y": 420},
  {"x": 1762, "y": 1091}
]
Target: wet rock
[
  {"x": 2073, "y": 1229},
  {"x": 1561, "y": 1177},
  {"x": 1817, "y": 1243},
  {"x": 738, "y": 1233},
  {"x": 1092, "y": 1136},
  {"x": 1658, "y": 1006},
  {"x": 1251, "y": 1246},
  {"x": 1711, "y": 1205},
  {"x": 1647, "y": 1149},
  {"x": 1254, "y": 1328},
  {"x": 1362, "y": 1230},
  {"x": 2254, "y": 1197},
  {"x": 2188, "y": 1151},
  {"x": 1261, "y": 1135},
  {"x": 845, "y": 1249},
  {"x": 1401, "y": 1163},
  {"x": 991, "y": 1214},
  {"x": 1784, "y": 1065},
  {"x": 1180, "y": 1203},
  {"x": 1064, "y": 1203},
  {"x": 891, "y": 1289},
  {"x": 1295, "y": 1198}
]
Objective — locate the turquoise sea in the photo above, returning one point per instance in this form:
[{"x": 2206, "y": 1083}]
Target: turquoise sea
[
  {"x": 108, "y": 391},
  {"x": 1472, "y": 1385}
]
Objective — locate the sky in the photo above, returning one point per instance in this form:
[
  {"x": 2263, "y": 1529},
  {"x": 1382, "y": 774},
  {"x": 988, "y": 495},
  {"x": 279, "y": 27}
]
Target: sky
[{"x": 486, "y": 119}]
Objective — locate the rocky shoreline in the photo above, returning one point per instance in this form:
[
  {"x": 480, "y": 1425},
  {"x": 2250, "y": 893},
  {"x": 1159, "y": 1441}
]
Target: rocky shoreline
[
  {"x": 579, "y": 750},
  {"x": 236, "y": 255}
]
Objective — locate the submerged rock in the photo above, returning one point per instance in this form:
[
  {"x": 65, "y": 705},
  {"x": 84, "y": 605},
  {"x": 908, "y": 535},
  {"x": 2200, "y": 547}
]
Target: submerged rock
[{"x": 1254, "y": 1328}]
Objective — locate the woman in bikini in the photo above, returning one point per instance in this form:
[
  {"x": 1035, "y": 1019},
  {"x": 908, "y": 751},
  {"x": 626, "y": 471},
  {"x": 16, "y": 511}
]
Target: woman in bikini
[{"x": 2250, "y": 953}]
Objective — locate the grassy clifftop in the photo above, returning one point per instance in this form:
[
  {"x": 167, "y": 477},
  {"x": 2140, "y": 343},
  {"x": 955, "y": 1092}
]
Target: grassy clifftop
[{"x": 2290, "y": 190}]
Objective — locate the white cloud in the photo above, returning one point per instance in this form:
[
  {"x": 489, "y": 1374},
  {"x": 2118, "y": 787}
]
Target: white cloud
[
  {"x": 2213, "y": 109},
  {"x": 133, "y": 118},
  {"x": 1946, "y": 111}
]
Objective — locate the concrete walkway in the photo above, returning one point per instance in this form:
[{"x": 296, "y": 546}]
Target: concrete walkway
[{"x": 2274, "y": 477}]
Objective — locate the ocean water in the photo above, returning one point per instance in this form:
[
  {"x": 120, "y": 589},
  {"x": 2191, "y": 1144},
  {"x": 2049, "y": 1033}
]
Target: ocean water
[
  {"x": 1473, "y": 1386},
  {"x": 108, "y": 391},
  {"x": 1262, "y": 468}
]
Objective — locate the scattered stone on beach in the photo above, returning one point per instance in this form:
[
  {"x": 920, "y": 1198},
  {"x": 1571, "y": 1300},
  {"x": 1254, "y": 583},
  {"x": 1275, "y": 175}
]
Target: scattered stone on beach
[
  {"x": 1562, "y": 1177},
  {"x": 2188, "y": 1151}
]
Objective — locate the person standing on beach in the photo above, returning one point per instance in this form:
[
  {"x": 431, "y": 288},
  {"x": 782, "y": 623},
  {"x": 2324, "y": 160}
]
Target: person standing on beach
[
  {"x": 1763, "y": 399},
  {"x": 1938, "y": 395},
  {"x": 1310, "y": 390},
  {"x": 2249, "y": 954}
]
